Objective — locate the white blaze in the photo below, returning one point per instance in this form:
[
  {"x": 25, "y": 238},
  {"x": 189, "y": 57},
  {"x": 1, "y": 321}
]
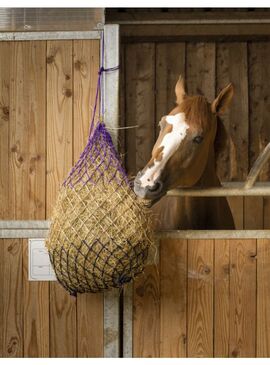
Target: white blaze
[{"x": 171, "y": 143}]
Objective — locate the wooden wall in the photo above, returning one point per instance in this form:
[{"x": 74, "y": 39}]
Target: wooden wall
[
  {"x": 205, "y": 298},
  {"x": 149, "y": 72},
  {"x": 47, "y": 89}
]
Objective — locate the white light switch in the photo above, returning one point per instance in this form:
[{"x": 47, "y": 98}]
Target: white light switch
[{"x": 39, "y": 266}]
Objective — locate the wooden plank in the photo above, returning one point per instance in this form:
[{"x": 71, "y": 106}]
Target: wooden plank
[
  {"x": 242, "y": 298},
  {"x": 194, "y": 32},
  {"x": 221, "y": 298},
  {"x": 36, "y": 313},
  {"x": 85, "y": 68},
  {"x": 200, "y": 298},
  {"x": 233, "y": 160},
  {"x": 5, "y": 56},
  {"x": 170, "y": 63},
  {"x": 27, "y": 133},
  {"x": 180, "y": 14},
  {"x": 259, "y": 70},
  {"x": 232, "y": 67},
  {"x": 12, "y": 301},
  {"x": 2, "y": 281},
  {"x": 30, "y": 137},
  {"x": 59, "y": 161},
  {"x": 263, "y": 298},
  {"x": 140, "y": 104},
  {"x": 200, "y": 69},
  {"x": 173, "y": 298},
  {"x": 146, "y": 312}
]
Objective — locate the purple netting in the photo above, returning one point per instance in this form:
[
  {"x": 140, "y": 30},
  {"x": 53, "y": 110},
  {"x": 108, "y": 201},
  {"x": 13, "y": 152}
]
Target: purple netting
[{"x": 101, "y": 154}]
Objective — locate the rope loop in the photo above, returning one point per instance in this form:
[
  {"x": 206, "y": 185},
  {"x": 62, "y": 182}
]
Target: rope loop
[{"x": 99, "y": 90}]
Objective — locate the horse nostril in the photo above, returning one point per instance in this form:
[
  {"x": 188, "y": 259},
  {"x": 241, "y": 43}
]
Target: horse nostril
[{"x": 156, "y": 187}]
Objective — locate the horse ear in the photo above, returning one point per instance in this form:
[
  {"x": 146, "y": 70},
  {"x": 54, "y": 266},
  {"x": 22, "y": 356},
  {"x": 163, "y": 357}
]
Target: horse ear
[
  {"x": 223, "y": 100},
  {"x": 180, "y": 90}
]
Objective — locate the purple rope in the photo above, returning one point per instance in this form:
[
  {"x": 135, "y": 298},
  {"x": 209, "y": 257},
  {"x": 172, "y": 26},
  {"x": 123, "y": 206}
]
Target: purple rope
[{"x": 99, "y": 90}]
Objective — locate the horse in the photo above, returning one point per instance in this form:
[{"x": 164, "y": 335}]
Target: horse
[{"x": 184, "y": 156}]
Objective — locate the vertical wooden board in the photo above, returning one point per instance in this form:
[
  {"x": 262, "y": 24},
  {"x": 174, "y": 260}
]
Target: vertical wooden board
[
  {"x": 221, "y": 298},
  {"x": 63, "y": 330},
  {"x": 232, "y": 66},
  {"x": 233, "y": 160},
  {"x": 173, "y": 300},
  {"x": 242, "y": 298},
  {"x": 5, "y": 56},
  {"x": 36, "y": 313},
  {"x": 263, "y": 298},
  {"x": 200, "y": 298},
  {"x": 170, "y": 63},
  {"x": 27, "y": 131},
  {"x": 140, "y": 104},
  {"x": 146, "y": 312},
  {"x": 86, "y": 66},
  {"x": 2, "y": 281},
  {"x": 59, "y": 117},
  {"x": 12, "y": 301},
  {"x": 253, "y": 204},
  {"x": 90, "y": 325},
  {"x": 200, "y": 69},
  {"x": 30, "y": 107},
  {"x": 259, "y": 72}
]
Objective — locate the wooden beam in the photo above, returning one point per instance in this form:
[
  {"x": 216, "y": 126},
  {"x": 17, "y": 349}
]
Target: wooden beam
[
  {"x": 185, "y": 32},
  {"x": 228, "y": 189}
]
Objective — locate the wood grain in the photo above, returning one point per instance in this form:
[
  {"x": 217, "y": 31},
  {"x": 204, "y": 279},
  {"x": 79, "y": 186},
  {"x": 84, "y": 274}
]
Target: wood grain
[
  {"x": 259, "y": 71},
  {"x": 242, "y": 298},
  {"x": 263, "y": 298},
  {"x": 146, "y": 313},
  {"x": 5, "y": 56},
  {"x": 140, "y": 104},
  {"x": 200, "y": 298},
  {"x": 222, "y": 298},
  {"x": 12, "y": 301},
  {"x": 27, "y": 131},
  {"x": 63, "y": 329},
  {"x": 232, "y": 66},
  {"x": 33, "y": 96},
  {"x": 85, "y": 68},
  {"x": 36, "y": 319},
  {"x": 200, "y": 69},
  {"x": 173, "y": 298}
]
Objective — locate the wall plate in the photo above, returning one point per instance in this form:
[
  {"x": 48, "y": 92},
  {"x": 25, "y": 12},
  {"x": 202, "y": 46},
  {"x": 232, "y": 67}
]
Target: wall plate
[{"x": 39, "y": 265}]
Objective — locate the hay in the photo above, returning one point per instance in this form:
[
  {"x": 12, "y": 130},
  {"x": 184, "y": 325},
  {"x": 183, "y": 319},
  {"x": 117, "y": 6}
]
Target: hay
[{"x": 100, "y": 232}]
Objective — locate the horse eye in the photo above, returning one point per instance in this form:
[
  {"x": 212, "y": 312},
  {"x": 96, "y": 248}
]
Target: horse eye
[{"x": 198, "y": 139}]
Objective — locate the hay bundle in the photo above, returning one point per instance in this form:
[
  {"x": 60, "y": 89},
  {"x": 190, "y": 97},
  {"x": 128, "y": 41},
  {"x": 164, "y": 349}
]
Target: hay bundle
[{"x": 100, "y": 233}]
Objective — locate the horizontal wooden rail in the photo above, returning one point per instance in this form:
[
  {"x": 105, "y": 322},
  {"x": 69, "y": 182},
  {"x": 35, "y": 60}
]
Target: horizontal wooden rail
[
  {"x": 39, "y": 229},
  {"x": 227, "y": 189}
]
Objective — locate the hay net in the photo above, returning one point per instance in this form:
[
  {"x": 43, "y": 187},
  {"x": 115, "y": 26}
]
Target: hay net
[{"x": 100, "y": 233}]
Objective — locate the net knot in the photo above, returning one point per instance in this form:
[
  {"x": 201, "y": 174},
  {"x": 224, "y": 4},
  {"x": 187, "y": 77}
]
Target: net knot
[{"x": 102, "y": 69}]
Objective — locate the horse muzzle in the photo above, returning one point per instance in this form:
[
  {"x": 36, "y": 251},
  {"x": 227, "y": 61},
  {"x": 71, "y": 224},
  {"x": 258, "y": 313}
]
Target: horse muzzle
[{"x": 148, "y": 192}]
